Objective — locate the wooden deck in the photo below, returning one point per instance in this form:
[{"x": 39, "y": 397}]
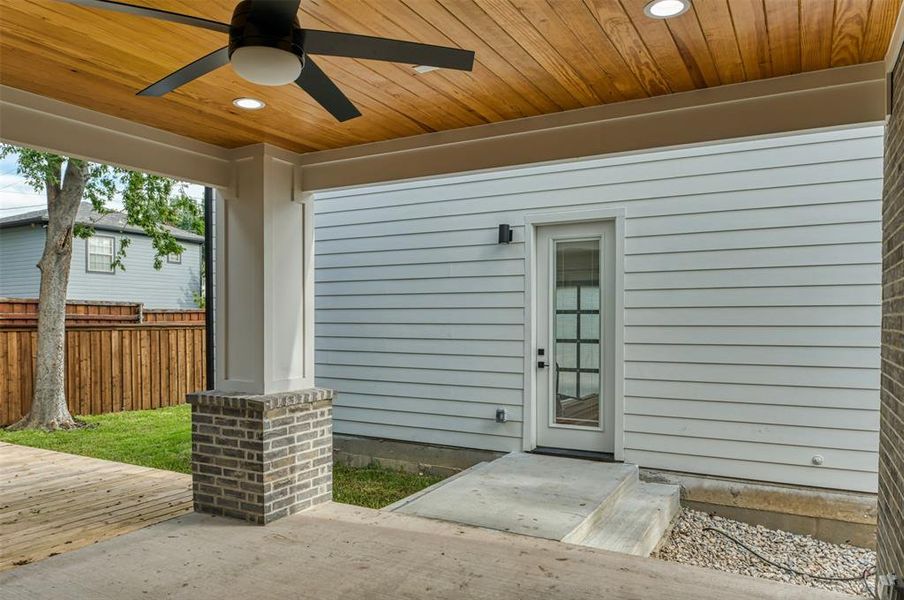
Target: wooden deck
[{"x": 52, "y": 503}]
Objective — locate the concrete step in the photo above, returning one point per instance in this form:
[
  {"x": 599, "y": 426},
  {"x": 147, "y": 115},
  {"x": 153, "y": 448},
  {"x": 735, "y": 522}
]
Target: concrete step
[
  {"x": 635, "y": 522},
  {"x": 541, "y": 496},
  {"x": 628, "y": 482},
  {"x": 601, "y": 505}
]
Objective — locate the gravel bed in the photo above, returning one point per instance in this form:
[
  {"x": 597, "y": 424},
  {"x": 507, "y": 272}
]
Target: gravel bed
[{"x": 690, "y": 544}]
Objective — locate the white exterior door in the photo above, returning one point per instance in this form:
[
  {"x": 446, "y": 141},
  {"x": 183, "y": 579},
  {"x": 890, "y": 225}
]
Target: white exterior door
[{"x": 575, "y": 342}]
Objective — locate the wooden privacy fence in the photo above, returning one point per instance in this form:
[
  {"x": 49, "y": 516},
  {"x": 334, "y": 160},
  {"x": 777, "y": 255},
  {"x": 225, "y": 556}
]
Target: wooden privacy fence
[{"x": 119, "y": 356}]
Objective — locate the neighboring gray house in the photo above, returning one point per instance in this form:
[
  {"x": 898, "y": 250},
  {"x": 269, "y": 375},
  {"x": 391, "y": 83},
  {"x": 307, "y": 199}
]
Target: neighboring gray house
[{"x": 175, "y": 285}]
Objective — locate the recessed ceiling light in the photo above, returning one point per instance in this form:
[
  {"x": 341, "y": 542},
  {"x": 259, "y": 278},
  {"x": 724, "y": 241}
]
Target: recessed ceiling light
[
  {"x": 249, "y": 103},
  {"x": 665, "y": 9},
  {"x": 425, "y": 68}
]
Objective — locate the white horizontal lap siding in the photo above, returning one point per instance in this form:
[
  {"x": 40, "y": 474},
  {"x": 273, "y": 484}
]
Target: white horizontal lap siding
[{"x": 752, "y": 291}]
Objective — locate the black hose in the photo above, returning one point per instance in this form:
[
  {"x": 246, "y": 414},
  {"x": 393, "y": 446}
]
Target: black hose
[
  {"x": 862, "y": 577},
  {"x": 866, "y": 574}
]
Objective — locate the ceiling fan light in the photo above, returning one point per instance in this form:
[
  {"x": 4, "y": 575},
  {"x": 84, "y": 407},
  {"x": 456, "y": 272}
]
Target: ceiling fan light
[
  {"x": 265, "y": 65},
  {"x": 665, "y": 9}
]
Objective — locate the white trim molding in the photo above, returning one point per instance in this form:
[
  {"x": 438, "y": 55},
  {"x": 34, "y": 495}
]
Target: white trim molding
[
  {"x": 531, "y": 223},
  {"x": 897, "y": 40},
  {"x": 891, "y": 58}
]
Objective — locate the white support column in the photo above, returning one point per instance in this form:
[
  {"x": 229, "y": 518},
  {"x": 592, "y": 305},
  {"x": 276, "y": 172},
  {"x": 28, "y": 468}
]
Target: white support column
[
  {"x": 265, "y": 276},
  {"x": 262, "y": 439}
]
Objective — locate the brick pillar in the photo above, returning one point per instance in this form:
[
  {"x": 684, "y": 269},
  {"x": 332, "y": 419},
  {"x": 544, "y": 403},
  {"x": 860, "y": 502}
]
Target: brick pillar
[
  {"x": 261, "y": 457},
  {"x": 891, "y": 438}
]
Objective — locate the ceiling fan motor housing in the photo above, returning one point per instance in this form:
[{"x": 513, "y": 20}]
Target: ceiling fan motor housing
[
  {"x": 253, "y": 26},
  {"x": 264, "y": 43}
]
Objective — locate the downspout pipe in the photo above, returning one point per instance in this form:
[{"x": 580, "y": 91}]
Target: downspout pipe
[{"x": 208, "y": 288}]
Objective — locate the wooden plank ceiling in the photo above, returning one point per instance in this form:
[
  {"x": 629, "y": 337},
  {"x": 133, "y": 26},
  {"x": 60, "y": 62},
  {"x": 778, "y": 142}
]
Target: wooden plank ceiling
[{"x": 533, "y": 57}]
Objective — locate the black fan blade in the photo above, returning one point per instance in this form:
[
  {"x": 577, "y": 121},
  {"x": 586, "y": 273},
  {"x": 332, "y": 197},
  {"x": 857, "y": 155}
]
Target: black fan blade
[
  {"x": 331, "y": 43},
  {"x": 189, "y": 72},
  {"x": 153, "y": 13},
  {"x": 322, "y": 89}
]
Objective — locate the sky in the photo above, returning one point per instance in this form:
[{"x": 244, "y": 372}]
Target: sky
[{"x": 17, "y": 197}]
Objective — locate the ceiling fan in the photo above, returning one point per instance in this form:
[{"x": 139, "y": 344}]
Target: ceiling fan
[{"x": 267, "y": 46}]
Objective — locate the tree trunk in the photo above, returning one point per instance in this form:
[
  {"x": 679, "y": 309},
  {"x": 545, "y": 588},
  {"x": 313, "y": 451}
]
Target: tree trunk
[{"x": 48, "y": 408}]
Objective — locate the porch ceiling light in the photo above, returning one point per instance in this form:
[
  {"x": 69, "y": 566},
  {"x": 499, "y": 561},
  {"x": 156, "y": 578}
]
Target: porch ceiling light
[
  {"x": 665, "y": 9},
  {"x": 249, "y": 103}
]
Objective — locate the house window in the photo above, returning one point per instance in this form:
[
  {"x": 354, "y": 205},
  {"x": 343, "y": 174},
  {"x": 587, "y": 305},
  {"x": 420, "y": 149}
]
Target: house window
[
  {"x": 175, "y": 259},
  {"x": 100, "y": 254}
]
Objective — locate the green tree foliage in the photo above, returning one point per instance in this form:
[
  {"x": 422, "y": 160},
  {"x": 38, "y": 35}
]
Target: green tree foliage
[{"x": 150, "y": 202}]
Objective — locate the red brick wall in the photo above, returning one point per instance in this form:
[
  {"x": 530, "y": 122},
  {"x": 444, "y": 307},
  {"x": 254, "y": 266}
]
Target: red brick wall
[{"x": 891, "y": 447}]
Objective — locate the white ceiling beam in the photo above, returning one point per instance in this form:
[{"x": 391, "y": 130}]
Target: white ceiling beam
[
  {"x": 42, "y": 123},
  {"x": 829, "y": 98}
]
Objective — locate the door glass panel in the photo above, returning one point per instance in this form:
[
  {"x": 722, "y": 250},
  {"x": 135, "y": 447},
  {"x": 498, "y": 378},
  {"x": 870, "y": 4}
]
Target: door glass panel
[
  {"x": 590, "y": 354},
  {"x": 566, "y": 298},
  {"x": 566, "y": 382},
  {"x": 567, "y": 325},
  {"x": 577, "y": 333},
  {"x": 590, "y": 298},
  {"x": 590, "y": 323},
  {"x": 566, "y": 355}
]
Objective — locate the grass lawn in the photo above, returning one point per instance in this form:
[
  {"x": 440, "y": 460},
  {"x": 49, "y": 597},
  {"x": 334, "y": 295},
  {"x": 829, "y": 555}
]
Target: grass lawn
[
  {"x": 152, "y": 438},
  {"x": 162, "y": 439}
]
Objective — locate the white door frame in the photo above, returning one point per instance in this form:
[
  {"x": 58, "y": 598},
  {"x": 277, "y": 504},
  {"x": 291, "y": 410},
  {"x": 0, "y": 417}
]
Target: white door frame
[{"x": 532, "y": 222}]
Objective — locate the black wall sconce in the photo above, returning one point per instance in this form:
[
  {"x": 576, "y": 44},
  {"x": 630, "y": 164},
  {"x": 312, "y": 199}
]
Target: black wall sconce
[{"x": 505, "y": 234}]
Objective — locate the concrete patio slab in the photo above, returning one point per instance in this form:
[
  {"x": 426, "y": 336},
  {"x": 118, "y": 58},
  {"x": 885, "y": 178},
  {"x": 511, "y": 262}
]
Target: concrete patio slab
[{"x": 339, "y": 551}]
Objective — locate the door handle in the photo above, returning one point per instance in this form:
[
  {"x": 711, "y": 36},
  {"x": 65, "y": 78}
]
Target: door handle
[{"x": 541, "y": 364}]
